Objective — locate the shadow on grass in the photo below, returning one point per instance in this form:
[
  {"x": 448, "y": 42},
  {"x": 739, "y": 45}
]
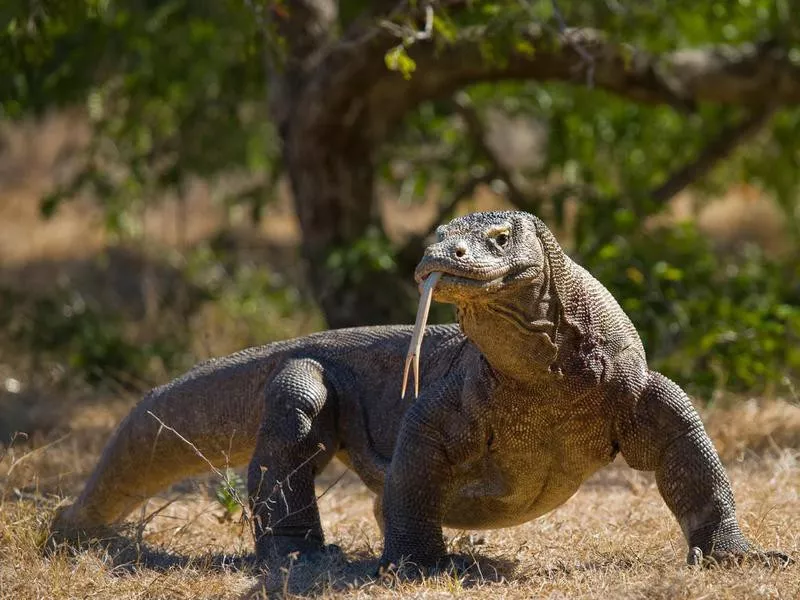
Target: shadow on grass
[
  {"x": 324, "y": 573},
  {"x": 336, "y": 573}
]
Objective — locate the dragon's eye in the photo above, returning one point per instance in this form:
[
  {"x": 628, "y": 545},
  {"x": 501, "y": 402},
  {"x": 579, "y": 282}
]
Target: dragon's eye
[{"x": 501, "y": 239}]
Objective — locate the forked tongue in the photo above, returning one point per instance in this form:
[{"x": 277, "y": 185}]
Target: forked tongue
[{"x": 419, "y": 328}]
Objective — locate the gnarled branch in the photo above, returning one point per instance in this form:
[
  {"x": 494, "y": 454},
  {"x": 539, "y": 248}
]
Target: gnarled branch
[
  {"x": 751, "y": 75},
  {"x": 477, "y": 132},
  {"x": 717, "y": 150}
]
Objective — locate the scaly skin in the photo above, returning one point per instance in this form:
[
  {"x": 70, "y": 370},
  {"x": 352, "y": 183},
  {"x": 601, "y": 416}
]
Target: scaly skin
[{"x": 543, "y": 381}]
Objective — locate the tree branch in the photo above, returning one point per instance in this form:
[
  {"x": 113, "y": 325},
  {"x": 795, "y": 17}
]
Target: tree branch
[
  {"x": 477, "y": 132},
  {"x": 717, "y": 150},
  {"x": 353, "y": 79},
  {"x": 752, "y": 75}
]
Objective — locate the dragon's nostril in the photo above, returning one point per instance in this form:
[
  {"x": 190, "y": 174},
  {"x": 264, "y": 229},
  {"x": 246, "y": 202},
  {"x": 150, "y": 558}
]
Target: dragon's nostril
[{"x": 460, "y": 250}]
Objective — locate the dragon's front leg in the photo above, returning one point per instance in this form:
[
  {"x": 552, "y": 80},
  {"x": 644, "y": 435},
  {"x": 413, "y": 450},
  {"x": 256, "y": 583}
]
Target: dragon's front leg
[{"x": 663, "y": 433}]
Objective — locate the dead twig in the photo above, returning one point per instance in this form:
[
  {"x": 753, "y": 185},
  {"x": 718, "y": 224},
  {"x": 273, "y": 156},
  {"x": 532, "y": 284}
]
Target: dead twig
[{"x": 477, "y": 131}]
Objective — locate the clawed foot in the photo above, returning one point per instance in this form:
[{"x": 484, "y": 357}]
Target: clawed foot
[
  {"x": 277, "y": 551},
  {"x": 772, "y": 559},
  {"x": 293, "y": 565},
  {"x": 454, "y": 565}
]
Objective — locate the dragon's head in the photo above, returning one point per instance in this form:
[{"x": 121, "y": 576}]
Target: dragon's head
[
  {"x": 483, "y": 254},
  {"x": 477, "y": 258}
]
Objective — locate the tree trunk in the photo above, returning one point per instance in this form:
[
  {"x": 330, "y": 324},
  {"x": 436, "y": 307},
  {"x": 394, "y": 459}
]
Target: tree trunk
[
  {"x": 320, "y": 102},
  {"x": 332, "y": 178}
]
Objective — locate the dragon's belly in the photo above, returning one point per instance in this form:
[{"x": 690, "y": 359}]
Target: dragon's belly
[{"x": 524, "y": 475}]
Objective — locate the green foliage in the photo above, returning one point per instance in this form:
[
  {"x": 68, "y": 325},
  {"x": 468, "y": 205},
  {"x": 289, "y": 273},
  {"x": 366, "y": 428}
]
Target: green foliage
[
  {"x": 177, "y": 90},
  {"x": 372, "y": 253},
  {"x": 258, "y": 303},
  {"x": 70, "y": 328},
  {"x": 709, "y": 322},
  {"x": 397, "y": 59},
  {"x": 88, "y": 341},
  {"x": 174, "y": 90}
]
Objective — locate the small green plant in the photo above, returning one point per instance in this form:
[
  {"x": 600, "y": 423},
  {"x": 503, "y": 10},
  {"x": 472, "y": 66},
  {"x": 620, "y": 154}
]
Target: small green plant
[{"x": 229, "y": 493}]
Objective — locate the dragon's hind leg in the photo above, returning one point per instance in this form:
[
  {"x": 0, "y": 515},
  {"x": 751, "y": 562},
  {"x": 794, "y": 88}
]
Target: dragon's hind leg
[{"x": 297, "y": 438}]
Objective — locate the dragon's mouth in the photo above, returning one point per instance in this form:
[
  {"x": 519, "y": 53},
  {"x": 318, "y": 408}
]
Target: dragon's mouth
[
  {"x": 457, "y": 278},
  {"x": 429, "y": 279},
  {"x": 449, "y": 280}
]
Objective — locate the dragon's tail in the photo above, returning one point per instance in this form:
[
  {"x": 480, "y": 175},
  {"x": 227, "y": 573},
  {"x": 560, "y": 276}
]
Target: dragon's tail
[{"x": 206, "y": 420}]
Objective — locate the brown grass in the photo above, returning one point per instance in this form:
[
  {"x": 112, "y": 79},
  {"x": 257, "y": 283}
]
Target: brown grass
[{"x": 614, "y": 538}]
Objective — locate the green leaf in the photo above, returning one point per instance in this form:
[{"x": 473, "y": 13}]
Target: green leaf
[{"x": 397, "y": 59}]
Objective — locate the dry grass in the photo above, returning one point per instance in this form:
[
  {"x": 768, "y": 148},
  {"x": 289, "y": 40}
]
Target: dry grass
[{"x": 615, "y": 538}]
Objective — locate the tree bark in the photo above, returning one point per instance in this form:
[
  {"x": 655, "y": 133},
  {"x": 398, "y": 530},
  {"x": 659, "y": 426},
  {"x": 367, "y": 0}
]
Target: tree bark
[
  {"x": 332, "y": 178},
  {"x": 329, "y": 137}
]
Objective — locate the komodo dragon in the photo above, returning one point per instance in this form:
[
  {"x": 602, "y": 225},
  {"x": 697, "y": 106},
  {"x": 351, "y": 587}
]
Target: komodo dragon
[{"x": 542, "y": 382}]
